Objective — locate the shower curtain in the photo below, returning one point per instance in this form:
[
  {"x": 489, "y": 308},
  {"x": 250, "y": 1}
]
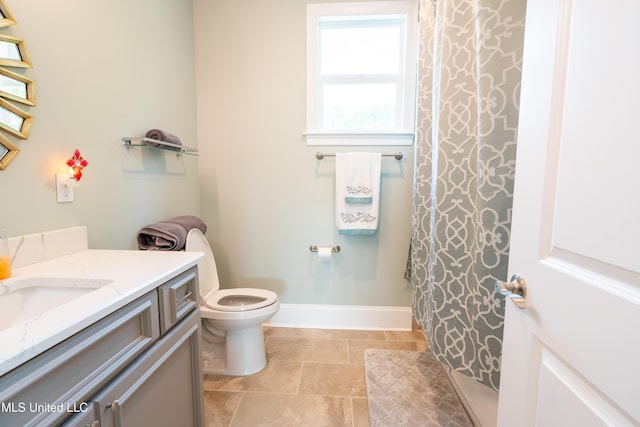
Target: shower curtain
[{"x": 469, "y": 85}]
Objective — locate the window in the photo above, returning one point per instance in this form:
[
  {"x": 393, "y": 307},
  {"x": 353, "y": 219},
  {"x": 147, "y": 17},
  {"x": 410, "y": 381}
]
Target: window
[{"x": 361, "y": 73}]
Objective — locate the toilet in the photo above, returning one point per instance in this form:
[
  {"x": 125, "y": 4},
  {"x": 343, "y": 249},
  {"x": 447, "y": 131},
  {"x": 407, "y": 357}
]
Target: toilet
[{"x": 232, "y": 338}]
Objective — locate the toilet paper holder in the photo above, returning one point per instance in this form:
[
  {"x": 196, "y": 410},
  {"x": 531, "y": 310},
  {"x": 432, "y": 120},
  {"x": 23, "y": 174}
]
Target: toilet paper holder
[{"x": 334, "y": 249}]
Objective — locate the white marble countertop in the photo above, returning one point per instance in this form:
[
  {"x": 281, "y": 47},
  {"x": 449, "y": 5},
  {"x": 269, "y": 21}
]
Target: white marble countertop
[{"x": 131, "y": 275}]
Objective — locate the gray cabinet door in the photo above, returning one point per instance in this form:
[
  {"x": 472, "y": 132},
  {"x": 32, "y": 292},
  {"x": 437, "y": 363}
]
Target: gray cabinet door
[{"x": 162, "y": 388}]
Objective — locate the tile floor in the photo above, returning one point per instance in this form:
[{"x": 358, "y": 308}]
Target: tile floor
[{"x": 314, "y": 377}]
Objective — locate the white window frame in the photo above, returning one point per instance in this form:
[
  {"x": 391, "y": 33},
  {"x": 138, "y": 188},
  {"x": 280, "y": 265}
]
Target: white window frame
[{"x": 406, "y": 103}]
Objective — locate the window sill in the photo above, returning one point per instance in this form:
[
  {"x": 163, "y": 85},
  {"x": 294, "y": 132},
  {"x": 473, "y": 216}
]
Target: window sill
[{"x": 359, "y": 138}]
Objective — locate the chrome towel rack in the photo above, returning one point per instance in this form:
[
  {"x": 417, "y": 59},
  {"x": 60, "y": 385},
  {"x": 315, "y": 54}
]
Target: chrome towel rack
[{"x": 320, "y": 155}]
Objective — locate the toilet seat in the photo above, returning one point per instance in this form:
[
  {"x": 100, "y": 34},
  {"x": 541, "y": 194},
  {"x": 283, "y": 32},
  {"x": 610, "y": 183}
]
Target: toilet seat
[
  {"x": 233, "y": 300},
  {"x": 240, "y": 299}
]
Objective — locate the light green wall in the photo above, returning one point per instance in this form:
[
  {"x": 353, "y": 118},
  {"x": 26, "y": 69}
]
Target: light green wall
[
  {"x": 104, "y": 69},
  {"x": 111, "y": 68},
  {"x": 264, "y": 195}
]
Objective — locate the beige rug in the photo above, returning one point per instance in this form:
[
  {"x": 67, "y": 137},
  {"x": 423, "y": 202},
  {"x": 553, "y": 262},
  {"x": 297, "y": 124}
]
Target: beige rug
[{"x": 410, "y": 388}]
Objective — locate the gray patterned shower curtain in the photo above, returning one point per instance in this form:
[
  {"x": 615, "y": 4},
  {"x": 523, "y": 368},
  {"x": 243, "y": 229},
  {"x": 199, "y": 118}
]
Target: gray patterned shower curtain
[{"x": 469, "y": 67}]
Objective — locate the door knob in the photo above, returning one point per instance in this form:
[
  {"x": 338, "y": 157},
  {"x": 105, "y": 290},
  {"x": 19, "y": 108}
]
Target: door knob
[{"x": 516, "y": 289}]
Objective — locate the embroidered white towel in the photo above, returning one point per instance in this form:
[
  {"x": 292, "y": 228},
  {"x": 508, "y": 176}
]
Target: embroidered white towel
[
  {"x": 359, "y": 177},
  {"x": 357, "y": 218}
]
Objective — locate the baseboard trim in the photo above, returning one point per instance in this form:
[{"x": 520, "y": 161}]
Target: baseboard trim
[{"x": 343, "y": 317}]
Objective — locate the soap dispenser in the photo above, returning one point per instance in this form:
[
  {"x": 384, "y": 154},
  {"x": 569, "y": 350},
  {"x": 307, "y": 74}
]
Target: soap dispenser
[{"x": 5, "y": 258}]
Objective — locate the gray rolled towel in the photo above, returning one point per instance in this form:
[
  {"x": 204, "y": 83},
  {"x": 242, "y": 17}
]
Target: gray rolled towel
[
  {"x": 160, "y": 135},
  {"x": 170, "y": 234}
]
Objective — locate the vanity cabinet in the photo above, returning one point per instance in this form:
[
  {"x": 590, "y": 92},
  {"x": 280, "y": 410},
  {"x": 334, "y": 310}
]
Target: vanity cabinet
[
  {"x": 134, "y": 367},
  {"x": 160, "y": 389}
]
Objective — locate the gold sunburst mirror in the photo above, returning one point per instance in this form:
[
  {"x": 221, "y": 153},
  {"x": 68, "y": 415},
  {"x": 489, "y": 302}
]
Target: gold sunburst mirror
[
  {"x": 17, "y": 87},
  {"x": 13, "y": 52},
  {"x": 7, "y": 152},
  {"x": 6, "y": 17},
  {"x": 14, "y": 88},
  {"x": 14, "y": 120}
]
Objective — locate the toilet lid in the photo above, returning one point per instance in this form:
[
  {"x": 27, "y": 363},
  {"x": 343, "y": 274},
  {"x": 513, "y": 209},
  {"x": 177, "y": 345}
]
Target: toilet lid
[
  {"x": 240, "y": 299},
  {"x": 207, "y": 271}
]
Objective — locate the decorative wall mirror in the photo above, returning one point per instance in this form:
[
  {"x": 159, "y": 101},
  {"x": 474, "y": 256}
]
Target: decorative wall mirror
[
  {"x": 13, "y": 87},
  {"x": 7, "y": 152},
  {"x": 14, "y": 120},
  {"x": 6, "y": 17},
  {"x": 13, "y": 52},
  {"x": 17, "y": 87}
]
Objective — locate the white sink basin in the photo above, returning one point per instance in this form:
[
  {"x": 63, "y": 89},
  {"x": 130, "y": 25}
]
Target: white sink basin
[{"x": 23, "y": 299}]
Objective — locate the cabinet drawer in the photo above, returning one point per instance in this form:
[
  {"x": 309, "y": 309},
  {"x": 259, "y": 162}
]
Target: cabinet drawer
[
  {"x": 178, "y": 297},
  {"x": 78, "y": 367}
]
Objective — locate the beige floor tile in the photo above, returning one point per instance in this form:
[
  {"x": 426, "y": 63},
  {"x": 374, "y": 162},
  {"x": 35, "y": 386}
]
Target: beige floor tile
[
  {"x": 307, "y": 350},
  {"x": 220, "y": 407},
  {"x": 415, "y": 335},
  {"x": 279, "y": 376},
  {"x": 285, "y": 332},
  {"x": 360, "y": 412},
  {"x": 314, "y": 377},
  {"x": 272, "y": 409},
  {"x": 357, "y": 348},
  {"x": 333, "y": 379},
  {"x": 346, "y": 334}
]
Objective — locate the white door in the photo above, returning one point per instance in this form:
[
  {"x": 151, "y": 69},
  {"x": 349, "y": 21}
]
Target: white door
[{"x": 572, "y": 356}]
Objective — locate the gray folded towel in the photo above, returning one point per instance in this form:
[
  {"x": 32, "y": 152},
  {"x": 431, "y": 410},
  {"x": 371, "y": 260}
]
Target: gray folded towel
[
  {"x": 170, "y": 234},
  {"x": 160, "y": 135}
]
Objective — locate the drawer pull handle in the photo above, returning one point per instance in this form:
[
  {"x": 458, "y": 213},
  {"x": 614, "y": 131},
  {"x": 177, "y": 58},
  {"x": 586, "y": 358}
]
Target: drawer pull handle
[
  {"x": 96, "y": 415},
  {"x": 186, "y": 297},
  {"x": 116, "y": 409}
]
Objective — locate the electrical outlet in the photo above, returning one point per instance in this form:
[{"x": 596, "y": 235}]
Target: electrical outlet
[{"x": 64, "y": 191}]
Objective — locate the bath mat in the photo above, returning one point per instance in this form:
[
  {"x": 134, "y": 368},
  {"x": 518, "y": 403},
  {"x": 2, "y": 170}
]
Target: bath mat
[{"x": 410, "y": 388}]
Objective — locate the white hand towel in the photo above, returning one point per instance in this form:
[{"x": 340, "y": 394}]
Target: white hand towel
[
  {"x": 357, "y": 218},
  {"x": 359, "y": 178}
]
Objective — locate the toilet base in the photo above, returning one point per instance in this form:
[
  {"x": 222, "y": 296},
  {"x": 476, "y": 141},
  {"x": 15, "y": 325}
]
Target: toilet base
[
  {"x": 241, "y": 353},
  {"x": 214, "y": 359}
]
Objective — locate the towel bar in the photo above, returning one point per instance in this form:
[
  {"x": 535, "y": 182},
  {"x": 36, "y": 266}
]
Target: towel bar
[
  {"x": 143, "y": 142},
  {"x": 320, "y": 155},
  {"x": 314, "y": 248}
]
